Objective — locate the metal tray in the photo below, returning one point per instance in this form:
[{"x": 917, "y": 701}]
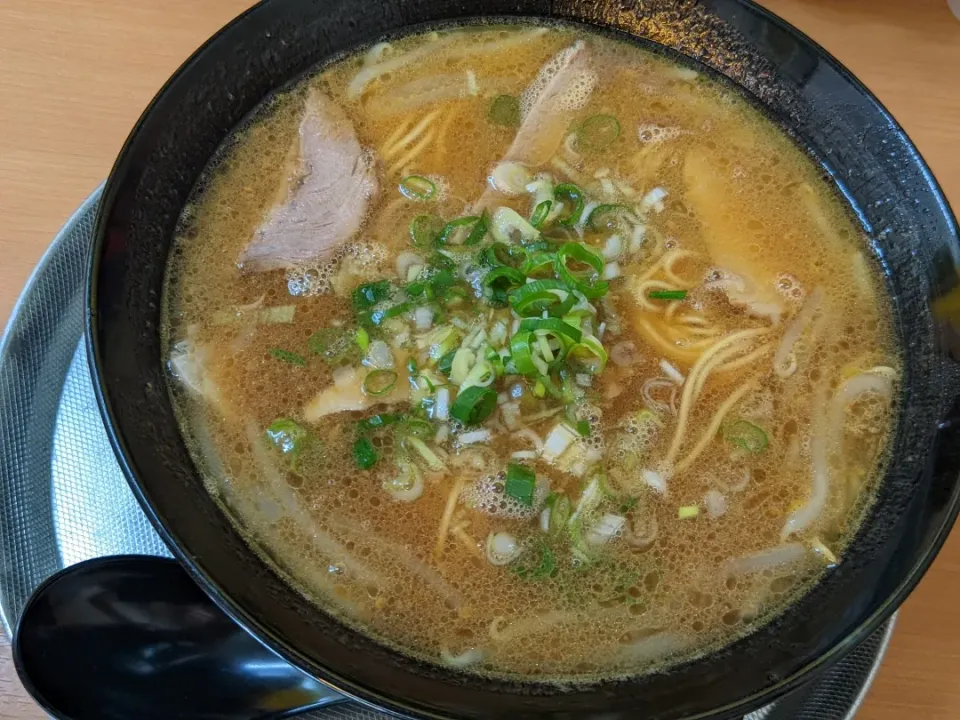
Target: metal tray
[{"x": 63, "y": 498}]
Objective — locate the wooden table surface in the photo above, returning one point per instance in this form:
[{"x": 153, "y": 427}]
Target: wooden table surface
[{"x": 75, "y": 75}]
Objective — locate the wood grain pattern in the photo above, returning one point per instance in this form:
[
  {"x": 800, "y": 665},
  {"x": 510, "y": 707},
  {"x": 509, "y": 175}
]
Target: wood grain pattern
[{"x": 75, "y": 75}]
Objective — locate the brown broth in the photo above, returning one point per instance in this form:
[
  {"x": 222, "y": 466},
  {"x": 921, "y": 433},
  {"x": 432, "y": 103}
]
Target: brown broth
[{"x": 342, "y": 540}]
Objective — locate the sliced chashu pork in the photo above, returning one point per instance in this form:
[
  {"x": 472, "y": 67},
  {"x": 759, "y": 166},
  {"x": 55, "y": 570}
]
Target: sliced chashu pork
[
  {"x": 563, "y": 86},
  {"x": 548, "y": 106},
  {"x": 324, "y": 206},
  {"x": 346, "y": 394},
  {"x": 723, "y": 217}
]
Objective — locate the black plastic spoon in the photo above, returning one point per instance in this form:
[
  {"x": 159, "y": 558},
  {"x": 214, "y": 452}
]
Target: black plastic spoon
[{"x": 134, "y": 638}]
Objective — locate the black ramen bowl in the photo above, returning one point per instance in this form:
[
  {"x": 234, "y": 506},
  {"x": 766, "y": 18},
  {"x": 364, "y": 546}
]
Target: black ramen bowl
[{"x": 861, "y": 148}]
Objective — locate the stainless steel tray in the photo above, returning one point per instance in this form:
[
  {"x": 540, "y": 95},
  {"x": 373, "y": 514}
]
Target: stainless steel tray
[{"x": 63, "y": 498}]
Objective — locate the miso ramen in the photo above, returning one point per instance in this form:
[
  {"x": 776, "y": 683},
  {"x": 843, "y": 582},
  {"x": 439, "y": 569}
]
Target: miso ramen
[{"x": 530, "y": 352}]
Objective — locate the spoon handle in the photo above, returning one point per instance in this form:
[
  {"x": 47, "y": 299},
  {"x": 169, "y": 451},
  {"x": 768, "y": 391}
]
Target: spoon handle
[{"x": 126, "y": 637}]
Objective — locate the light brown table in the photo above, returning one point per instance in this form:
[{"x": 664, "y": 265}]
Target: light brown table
[{"x": 75, "y": 75}]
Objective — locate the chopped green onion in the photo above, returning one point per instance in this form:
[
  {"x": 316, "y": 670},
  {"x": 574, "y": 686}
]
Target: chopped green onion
[
  {"x": 521, "y": 483},
  {"x": 441, "y": 261},
  {"x": 604, "y": 217},
  {"x": 540, "y": 213},
  {"x": 365, "y": 455},
  {"x": 287, "y": 356},
  {"x": 535, "y": 297},
  {"x": 377, "y": 317},
  {"x": 479, "y": 230},
  {"x": 463, "y": 360},
  {"x": 446, "y": 235},
  {"x": 587, "y": 283},
  {"x": 363, "y": 339},
  {"x": 474, "y": 405},
  {"x": 544, "y": 568},
  {"x": 443, "y": 340},
  {"x": 574, "y": 195},
  {"x": 509, "y": 226},
  {"x": 688, "y": 511},
  {"x": 334, "y": 345},
  {"x": 667, "y": 294},
  {"x": 415, "y": 289},
  {"x": 583, "y": 427},
  {"x": 502, "y": 254},
  {"x": 417, "y": 187},
  {"x": 412, "y": 366},
  {"x": 591, "y": 352},
  {"x": 521, "y": 352},
  {"x": 379, "y": 382},
  {"x": 539, "y": 262},
  {"x": 505, "y": 110},
  {"x": 430, "y": 386},
  {"x": 629, "y": 504},
  {"x": 598, "y": 132},
  {"x": 369, "y": 294},
  {"x": 418, "y": 427},
  {"x": 425, "y": 229},
  {"x": 503, "y": 278},
  {"x": 379, "y": 421},
  {"x": 560, "y": 509},
  {"x": 554, "y": 325},
  {"x": 747, "y": 436},
  {"x": 445, "y": 364},
  {"x": 289, "y": 438}
]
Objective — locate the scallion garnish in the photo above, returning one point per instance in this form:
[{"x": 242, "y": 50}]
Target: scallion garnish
[
  {"x": 287, "y": 356},
  {"x": 598, "y": 132},
  {"x": 425, "y": 229},
  {"x": 379, "y": 382},
  {"x": 591, "y": 353},
  {"x": 479, "y": 230},
  {"x": 539, "y": 263},
  {"x": 505, "y": 110},
  {"x": 521, "y": 483},
  {"x": 746, "y": 435},
  {"x": 365, "y": 455},
  {"x": 540, "y": 213},
  {"x": 502, "y": 254},
  {"x": 445, "y": 364},
  {"x": 583, "y": 428},
  {"x": 418, "y": 427},
  {"x": 377, "y": 317},
  {"x": 417, "y": 187},
  {"x": 573, "y": 194},
  {"x": 369, "y": 294},
  {"x": 289, "y": 438},
  {"x": 586, "y": 281},
  {"x": 363, "y": 339},
  {"x": 535, "y": 297},
  {"x": 334, "y": 345},
  {"x": 447, "y": 234},
  {"x": 474, "y": 405},
  {"x": 604, "y": 217},
  {"x": 544, "y": 568},
  {"x": 560, "y": 509},
  {"x": 554, "y": 325},
  {"x": 667, "y": 294},
  {"x": 521, "y": 352},
  {"x": 503, "y": 278},
  {"x": 440, "y": 261}
]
